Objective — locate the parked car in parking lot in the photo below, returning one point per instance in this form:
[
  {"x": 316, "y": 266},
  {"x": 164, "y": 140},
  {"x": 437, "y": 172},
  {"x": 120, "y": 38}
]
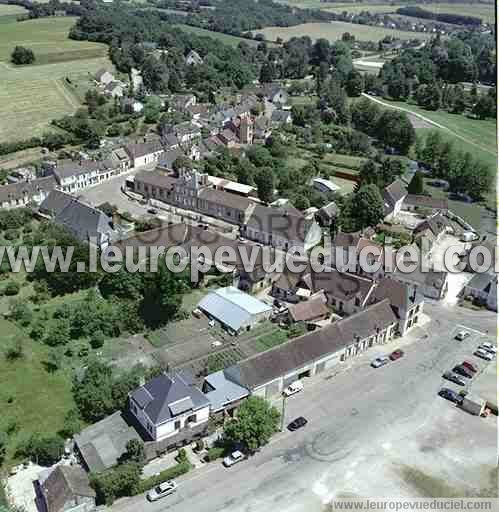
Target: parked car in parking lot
[
  {"x": 450, "y": 395},
  {"x": 396, "y": 354},
  {"x": 452, "y": 377},
  {"x": 473, "y": 368},
  {"x": 233, "y": 458},
  {"x": 297, "y": 423},
  {"x": 461, "y": 335},
  {"x": 162, "y": 490},
  {"x": 483, "y": 354},
  {"x": 462, "y": 370},
  {"x": 489, "y": 347},
  {"x": 380, "y": 361}
]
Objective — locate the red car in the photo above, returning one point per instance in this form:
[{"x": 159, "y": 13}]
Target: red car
[
  {"x": 470, "y": 366},
  {"x": 396, "y": 354}
]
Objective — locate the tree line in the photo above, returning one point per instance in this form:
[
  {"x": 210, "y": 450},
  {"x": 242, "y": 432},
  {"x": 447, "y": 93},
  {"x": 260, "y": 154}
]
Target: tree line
[{"x": 444, "y": 17}]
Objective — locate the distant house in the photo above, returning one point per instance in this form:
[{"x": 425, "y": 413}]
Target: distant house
[
  {"x": 64, "y": 489},
  {"x": 121, "y": 159},
  {"x": 23, "y": 193},
  {"x": 393, "y": 198},
  {"x": 234, "y": 309},
  {"x": 281, "y": 117},
  {"x": 483, "y": 289},
  {"x": 415, "y": 203},
  {"x": 168, "y": 406},
  {"x": 405, "y": 299},
  {"x": 276, "y": 94},
  {"x": 83, "y": 221},
  {"x": 104, "y": 77},
  {"x": 431, "y": 230},
  {"x": 131, "y": 106},
  {"x": 114, "y": 89},
  {"x": 144, "y": 153},
  {"x": 326, "y": 216},
  {"x": 136, "y": 79},
  {"x": 193, "y": 58},
  {"x": 323, "y": 185}
]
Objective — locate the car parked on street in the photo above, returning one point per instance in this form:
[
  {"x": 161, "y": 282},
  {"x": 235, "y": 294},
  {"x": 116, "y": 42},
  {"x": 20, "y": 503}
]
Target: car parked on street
[
  {"x": 162, "y": 490},
  {"x": 483, "y": 354},
  {"x": 471, "y": 367},
  {"x": 450, "y": 395},
  {"x": 452, "y": 377},
  {"x": 293, "y": 388},
  {"x": 462, "y": 370},
  {"x": 297, "y": 423},
  {"x": 152, "y": 211},
  {"x": 380, "y": 361},
  {"x": 396, "y": 354},
  {"x": 233, "y": 458},
  {"x": 462, "y": 335}
]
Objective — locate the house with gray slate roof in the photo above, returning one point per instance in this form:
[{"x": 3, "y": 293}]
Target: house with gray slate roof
[
  {"x": 22, "y": 193},
  {"x": 169, "y": 405}
]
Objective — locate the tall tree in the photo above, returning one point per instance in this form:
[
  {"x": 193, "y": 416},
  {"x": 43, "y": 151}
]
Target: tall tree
[
  {"x": 395, "y": 130},
  {"x": 367, "y": 206},
  {"x": 265, "y": 184},
  {"x": 416, "y": 185}
]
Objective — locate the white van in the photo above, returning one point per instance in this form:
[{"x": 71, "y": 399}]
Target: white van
[{"x": 293, "y": 388}]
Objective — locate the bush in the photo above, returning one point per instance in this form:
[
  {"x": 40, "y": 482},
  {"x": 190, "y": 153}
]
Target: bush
[
  {"x": 20, "y": 312},
  {"x": 97, "y": 339},
  {"x": 124, "y": 480},
  {"x": 15, "y": 351},
  {"x": 11, "y": 234},
  {"x": 11, "y": 288},
  {"x": 181, "y": 456},
  {"x": 214, "y": 453},
  {"x": 168, "y": 474}
]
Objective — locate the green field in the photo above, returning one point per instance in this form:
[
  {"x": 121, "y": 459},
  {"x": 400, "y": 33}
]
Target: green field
[
  {"x": 334, "y": 30},
  {"x": 31, "y": 96},
  {"x": 480, "y": 135},
  {"x": 35, "y": 400},
  {"x": 7, "y": 10},
  {"x": 357, "y": 8},
  {"x": 224, "y": 38}
]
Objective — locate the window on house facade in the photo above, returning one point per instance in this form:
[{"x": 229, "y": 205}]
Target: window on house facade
[
  {"x": 192, "y": 419},
  {"x": 177, "y": 425}
]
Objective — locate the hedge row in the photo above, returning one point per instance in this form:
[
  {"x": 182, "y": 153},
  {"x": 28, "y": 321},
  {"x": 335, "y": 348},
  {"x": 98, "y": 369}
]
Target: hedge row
[
  {"x": 167, "y": 474},
  {"x": 215, "y": 453}
]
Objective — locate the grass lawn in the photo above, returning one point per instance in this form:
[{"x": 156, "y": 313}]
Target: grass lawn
[
  {"x": 358, "y": 8},
  {"x": 224, "y": 38},
  {"x": 334, "y": 30},
  {"x": 35, "y": 400},
  {"x": 481, "y": 133},
  {"x": 304, "y": 100},
  {"x": 272, "y": 339},
  {"x": 9, "y": 10},
  {"x": 31, "y": 96},
  {"x": 346, "y": 161}
]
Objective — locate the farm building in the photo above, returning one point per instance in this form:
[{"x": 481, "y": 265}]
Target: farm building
[{"x": 234, "y": 309}]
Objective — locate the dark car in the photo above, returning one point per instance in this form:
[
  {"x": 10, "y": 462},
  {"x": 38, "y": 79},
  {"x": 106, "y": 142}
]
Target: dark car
[
  {"x": 462, "y": 370},
  {"x": 396, "y": 354},
  {"x": 297, "y": 423},
  {"x": 152, "y": 211},
  {"x": 450, "y": 395},
  {"x": 471, "y": 367},
  {"x": 454, "y": 378}
]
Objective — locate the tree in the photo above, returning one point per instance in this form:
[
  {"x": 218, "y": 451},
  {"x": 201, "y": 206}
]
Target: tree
[
  {"x": 121, "y": 284},
  {"x": 365, "y": 116},
  {"x": 97, "y": 339},
  {"x": 367, "y": 207},
  {"x": 268, "y": 72},
  {"x": 485, "y": 107},
  {"x": 264, "y": 181},
  {"x": 354, "y": 84},
  {"x": 395, "y": 130},
  {"x": 45, "y": 451},
  {"x": 152, "y": 109},
  {"x": 124, "y": 480},
  {"x": 20, "y": 312},
  {"x": 416, "y": 186},
  {"x": 134, "y": 452},
  {"x": 72, "y": 424},
  {"x": 255, "y": 424},
  {"x": 22, "y": 55}
]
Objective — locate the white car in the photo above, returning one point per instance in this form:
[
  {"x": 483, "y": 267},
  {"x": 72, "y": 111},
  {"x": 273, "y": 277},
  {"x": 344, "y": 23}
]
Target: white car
[
  {"x": 480, "y": 352},
  {"x": 233, "y": 458},
  {"x": 488, "y": 347},
  {"x": 162, "y": 490},
  {"x": 461, "y": 335},
  {"x": 380, "y": 361},
  {"x": 293, "y": 388}
]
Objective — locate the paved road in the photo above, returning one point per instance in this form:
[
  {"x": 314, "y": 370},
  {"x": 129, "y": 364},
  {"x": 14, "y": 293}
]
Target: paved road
[
  {"x": 354, "y": 418},
  {"x": 429, "y": 121}
]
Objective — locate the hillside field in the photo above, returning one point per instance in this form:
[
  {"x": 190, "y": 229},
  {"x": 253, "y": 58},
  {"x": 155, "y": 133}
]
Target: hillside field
[
  {"x": 223, "y": 38},
  {"x": 334, "y": 30},
  {"x": 31, "y": 96}
]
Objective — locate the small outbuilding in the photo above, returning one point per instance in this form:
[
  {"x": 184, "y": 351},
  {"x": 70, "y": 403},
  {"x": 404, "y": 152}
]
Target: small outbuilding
[{"x": 234, "y": 309}]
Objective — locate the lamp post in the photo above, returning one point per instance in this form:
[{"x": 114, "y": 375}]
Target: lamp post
[{"x": 283, "y": 411}]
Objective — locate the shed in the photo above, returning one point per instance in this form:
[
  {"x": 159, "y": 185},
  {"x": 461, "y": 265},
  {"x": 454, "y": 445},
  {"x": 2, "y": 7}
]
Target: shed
[{"x": 234, "y": 309}]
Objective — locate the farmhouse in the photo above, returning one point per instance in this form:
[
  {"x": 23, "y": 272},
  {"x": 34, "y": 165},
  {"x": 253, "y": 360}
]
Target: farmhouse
[
  {"x": 234, "y": 309},
  {"x": 193, "y": 58},
  {"x": 104, "y": 77}
]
